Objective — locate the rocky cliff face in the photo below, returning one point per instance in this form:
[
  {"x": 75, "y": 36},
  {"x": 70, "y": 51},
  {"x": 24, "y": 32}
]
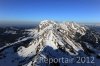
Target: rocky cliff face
[{"x": 76, "y": 44}]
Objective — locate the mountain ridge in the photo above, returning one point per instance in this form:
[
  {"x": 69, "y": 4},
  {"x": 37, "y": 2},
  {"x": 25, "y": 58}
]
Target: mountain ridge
[{"x": 54, "y": 40}]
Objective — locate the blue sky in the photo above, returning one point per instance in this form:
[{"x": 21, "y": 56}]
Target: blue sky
[{"x": 58, "y": 10}]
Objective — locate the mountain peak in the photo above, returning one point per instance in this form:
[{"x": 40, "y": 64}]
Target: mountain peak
[
  {"x": 47, "y": 22},
  {"x": 52, "y": 40}
]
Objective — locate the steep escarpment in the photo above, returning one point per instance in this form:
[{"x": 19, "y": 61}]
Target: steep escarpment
[{"x": 51, "y": 40}]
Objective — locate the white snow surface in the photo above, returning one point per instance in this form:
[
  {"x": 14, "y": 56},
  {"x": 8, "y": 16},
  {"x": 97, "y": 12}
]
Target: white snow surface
[{"x": 50, "y": 34}]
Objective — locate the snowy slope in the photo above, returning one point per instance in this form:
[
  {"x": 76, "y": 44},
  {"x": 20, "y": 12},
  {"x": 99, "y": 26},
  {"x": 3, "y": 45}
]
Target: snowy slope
[{"x": 53, "y": 40}]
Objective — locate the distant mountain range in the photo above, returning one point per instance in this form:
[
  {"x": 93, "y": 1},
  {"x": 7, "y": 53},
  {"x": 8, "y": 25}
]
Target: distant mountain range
[{"x": 45, "y": 44}]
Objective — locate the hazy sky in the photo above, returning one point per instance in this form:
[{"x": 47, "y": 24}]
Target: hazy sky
[{"x": 59, "y": 10}]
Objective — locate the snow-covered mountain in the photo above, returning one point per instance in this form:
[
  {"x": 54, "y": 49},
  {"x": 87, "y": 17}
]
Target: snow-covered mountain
[{"x": 58, "y": 44}]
